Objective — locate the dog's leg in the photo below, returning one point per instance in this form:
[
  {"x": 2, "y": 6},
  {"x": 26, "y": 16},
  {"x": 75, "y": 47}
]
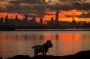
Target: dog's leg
[
  {"x": 35, "y": 53},
  {"x": 45, "y": 53},
  {"x": 42, "y": 53}
]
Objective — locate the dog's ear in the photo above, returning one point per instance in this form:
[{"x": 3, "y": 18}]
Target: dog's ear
[{"x": 49, "y": 40}]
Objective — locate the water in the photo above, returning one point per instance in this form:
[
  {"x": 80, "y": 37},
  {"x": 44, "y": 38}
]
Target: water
[{"x": 65, "y": 42}]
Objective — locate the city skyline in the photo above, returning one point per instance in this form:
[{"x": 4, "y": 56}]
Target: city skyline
[{"x": 12, "y": 24}]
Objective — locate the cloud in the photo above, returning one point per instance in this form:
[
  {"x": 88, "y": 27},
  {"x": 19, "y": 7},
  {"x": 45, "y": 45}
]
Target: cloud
[
  {"x": 59, "y": 7},
  {"x": 35, "y": 7},
  {"x": 75, "y": 5},
  {"x": 37, "y": 10},
  {"x": 84, "y": 15},
  {"x": 16, "y": 8},
  {"x": 83, "y": 6},
  {"x": 70, "y": 0},
  {"x": 28, "y": 1}
]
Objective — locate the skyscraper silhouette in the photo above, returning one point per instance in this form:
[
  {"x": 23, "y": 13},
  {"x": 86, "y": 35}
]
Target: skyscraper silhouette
[
  {"x": 41, "y": 20},
  {"x": 73, "y": 21},
  {"x": 25, "y": 17},
  {"x": 16, "y": 17},
  {"x": 57, "y": 16},
  {"x": 6, "y": 19}
]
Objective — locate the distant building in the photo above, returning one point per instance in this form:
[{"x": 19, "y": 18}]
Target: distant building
[
  {"x": 73, "y": 23},
  {"x": 41, "y": 20},
  {"x": 16, "y": 17},
  {"x": 33, "y": 22},
  {"x": 1, "y": 21},
  {"x": 65, "y": 24},
  {"x": 82, "y": 24},
  {"x": 25, "y": 18},
  {"x": 57, "y": 16},
  {"x": 52, "y": 22},
  {"x": 6, "y": 19},
  {"x": 17, "y": 21}
]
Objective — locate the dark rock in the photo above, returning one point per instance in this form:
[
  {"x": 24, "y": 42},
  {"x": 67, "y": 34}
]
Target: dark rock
[
  {"x": 83, "y": 54},
  {"x": 46, "y": 57},
  {"x": 19, "y": 57},
  {"x": 1, "y": 58},
  {"x": 79, "y": 55}
]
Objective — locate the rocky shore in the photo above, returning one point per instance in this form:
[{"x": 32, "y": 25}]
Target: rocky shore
[{"x": 79, "y": 55}]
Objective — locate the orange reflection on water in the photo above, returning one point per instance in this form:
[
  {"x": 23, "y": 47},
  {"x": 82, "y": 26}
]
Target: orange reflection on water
[
  {"x": 69, "y": 37},
  {"x": 63, "y": 42},
  {"x": 47, "y": 36},
  {"x": 69, "y": 43}
]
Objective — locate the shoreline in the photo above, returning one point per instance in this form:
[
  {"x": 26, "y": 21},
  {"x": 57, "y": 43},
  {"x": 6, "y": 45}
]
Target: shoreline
[
  {"x": 79, "y": 55},
  {"x": 45, "y": 30},
  {"x": 52, "y": 29}
]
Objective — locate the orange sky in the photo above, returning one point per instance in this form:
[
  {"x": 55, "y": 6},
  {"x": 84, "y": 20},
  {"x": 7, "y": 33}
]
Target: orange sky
[{"x": 62, "y": 16}]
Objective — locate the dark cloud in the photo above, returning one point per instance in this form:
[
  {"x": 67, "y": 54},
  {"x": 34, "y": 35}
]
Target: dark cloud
[
  {"x": 73, "y": 1},
  {"x": 35, "y": 7},
  {"x": 42, "y": 7},
  {"x": 71, "y": 16},
  {"x": 28, "y": 1},
  {"x": 70, "y": 0},
  {"x": 59, "y": 7},
  {"x": 79, "y": 6},
  {"x": 49, "y": 14},
  {"x": 84, "y": 15},
  {"x": 17, "y": 9},
  {"x": 76, "y": 5},
  {"x": 39, "y": 9}
]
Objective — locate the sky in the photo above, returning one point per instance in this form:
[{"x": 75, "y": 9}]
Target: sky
[{"x": 47, "y": 9}]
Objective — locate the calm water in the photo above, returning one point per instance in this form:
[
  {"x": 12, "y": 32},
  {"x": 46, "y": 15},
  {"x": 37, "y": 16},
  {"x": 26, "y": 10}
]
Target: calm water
[{"x": 65, "y": 42}]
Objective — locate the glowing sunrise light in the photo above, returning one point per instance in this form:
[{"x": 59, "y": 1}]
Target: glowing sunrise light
[
  {"x": 11, "y": 15},
  {"x": 62, "y": 16},
  {"x": 51, "y": 2},
  {"x": 4, "y": 1},
  {"x": 46, "y": 0}
]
